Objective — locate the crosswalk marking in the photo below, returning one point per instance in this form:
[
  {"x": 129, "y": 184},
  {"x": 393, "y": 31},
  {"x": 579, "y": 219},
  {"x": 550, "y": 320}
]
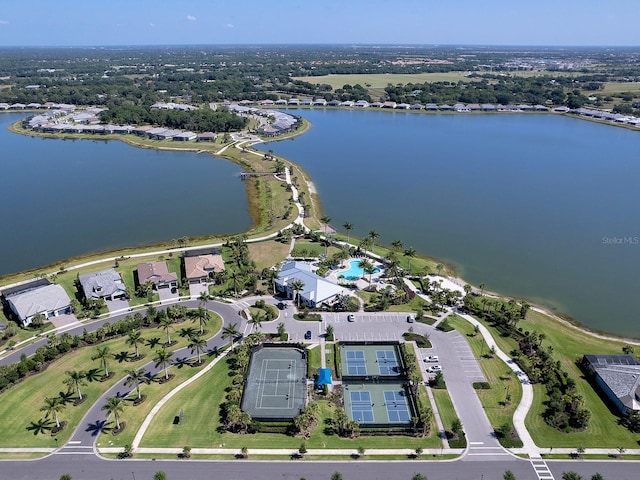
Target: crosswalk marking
[{"x": 542, "y": 469}]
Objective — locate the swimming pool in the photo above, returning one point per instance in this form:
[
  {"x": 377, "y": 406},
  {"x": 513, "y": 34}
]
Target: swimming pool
[{"x": 354, "y": 272}]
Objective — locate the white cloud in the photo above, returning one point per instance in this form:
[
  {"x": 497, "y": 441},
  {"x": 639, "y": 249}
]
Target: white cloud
[
  {"x": 152, "y": 24},
  {"x": 191, "y": 18},
  {"x": 4, "y": 22},
  {"x": 229, "y": 25}
]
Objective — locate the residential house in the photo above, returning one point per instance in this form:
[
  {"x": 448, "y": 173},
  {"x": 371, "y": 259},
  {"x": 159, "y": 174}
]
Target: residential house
[
  {"x": 200, "y": 268},
  {"x": 158, "y": 274},
  {"x": 333, "y": 103},
  {"x": 361, "y": 104},
  {"x": 316, "y": 289},
  {"x": 184, "y": 137},
  {"x": 33, "y": 298},
  {"x": 618, "y": 376},
  {"x": 207, "y": 137},
  {"x": 105, "y": 284},
  {"x": 389, "y": 104}
]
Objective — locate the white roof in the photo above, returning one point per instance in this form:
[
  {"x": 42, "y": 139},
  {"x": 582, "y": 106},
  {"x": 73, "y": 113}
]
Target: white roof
[
  {"x": 316, "y": 288},
  {"x": 48, "y": 298}
]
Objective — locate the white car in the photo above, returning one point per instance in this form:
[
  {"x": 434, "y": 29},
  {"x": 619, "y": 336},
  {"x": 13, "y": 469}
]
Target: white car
[
  {"x": 434, "y": 368},
  {"x": 432, "y": 358}
]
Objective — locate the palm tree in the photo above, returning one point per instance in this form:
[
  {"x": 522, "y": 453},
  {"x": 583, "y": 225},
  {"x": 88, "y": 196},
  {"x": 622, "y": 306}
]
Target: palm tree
[
  {"x": 166, "y": 324},
  {"x": 467, "y": 288},
  {"x": 52, "y": 407},
  {"x": 230, "y": 331},
  {"x": 197, "y": 344},
  {"x": 134, "y": 339},
  {"x": 135, "y": 377},
  {"x": 163, "y": 359},
  {"x": 373, "y": 236},
  {"x": 272, "y": 276},
  {"x": 409, "y": 253},
  {"x": 369, "y": 270},
  {"x": 236, "y": 279},
  {"x": 439, "y": 268},
  {"x": 365, "y": 265},
  {"x": 204, "y": 298},
  {"x": 75, "y": 380},
  {"x": 257, "y": 319},
  {"x": 202, "y": 315},
  {"x": 325, "y": 221},
  {"x": 102, "y": 353},
  {"x": 348, "y": 227},
  {"x": 297, "y": 286},
  {"x": 397, "y": 245},
  {"x": 114, "y": 406},
  {"x": 482, "y": 285}
]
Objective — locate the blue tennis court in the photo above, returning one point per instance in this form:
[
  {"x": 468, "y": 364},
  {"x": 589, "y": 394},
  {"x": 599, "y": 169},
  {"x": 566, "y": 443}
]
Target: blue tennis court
[
  {"x": 356, "y": 363},
  {"x": 387, "y": 362},
  {"x": 361, "y": 407},
  {"x": 397, "y": 406}
]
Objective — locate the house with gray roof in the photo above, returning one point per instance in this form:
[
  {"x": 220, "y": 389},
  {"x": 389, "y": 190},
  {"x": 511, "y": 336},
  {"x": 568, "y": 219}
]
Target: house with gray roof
[
  {"x": 618, "y": 376},
  {"x": 105, "y": 284},
  {"x": 50, "y": 300},
  {"x": 316, "y": 290}
]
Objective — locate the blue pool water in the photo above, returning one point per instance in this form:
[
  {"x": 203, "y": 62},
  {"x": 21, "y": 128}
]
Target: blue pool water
[{"x": 354, "y": 272}]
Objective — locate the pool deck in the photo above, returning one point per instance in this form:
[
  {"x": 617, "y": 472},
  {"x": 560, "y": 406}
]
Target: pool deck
[{"x": 361, "y": 283}]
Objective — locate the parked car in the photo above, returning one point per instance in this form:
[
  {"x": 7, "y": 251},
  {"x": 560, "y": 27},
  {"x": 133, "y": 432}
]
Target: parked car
[
  {"x": 282, "y": 305},
  {"x": 411, "y": 319},
  {"x": 307, "y": 336},
  {"x": 351, "y": 317},
  {"x": 431, "y": 358},
  {"x": 434, "y": 368}
]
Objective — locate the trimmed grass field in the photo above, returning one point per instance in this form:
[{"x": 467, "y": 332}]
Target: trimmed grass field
[
  {"x": 200, "y": 425},
  {"x": 570, "y": 344},
  {"x": 268, "y": 253},
  {"x": 381, "y": 80},
  {"x": 28, "y": 396},
  {"x": 445, "y": 407}
]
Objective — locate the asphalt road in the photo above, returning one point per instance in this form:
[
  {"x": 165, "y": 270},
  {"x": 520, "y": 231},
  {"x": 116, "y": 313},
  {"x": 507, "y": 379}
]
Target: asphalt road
[{"x": 90, "y": 468}]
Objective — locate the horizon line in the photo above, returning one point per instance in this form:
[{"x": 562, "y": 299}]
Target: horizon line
[{"x": 346, "y": 45}]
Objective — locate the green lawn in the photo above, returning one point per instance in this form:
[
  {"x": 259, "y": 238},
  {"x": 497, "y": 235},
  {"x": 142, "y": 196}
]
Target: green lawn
[
  {"x": 445, "y": 407},
  {"x": 314, "y": 358},
  {"x": 201, "y": 400},
  {"x": 568, "y": 345},
  {"x": 28, "y": 395},
  {"x": 381, "y": 80},
  {"x": 268, "y": 253},
  {"x": 311, "y": 249}
]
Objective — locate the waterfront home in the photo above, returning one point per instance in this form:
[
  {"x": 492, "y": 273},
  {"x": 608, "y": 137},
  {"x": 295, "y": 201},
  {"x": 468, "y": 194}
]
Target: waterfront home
[
  {"x": 376, "y": 105},
  {"x": 105, "y": 284},
  {"x": 158, "y": 274},
  {"x": 389, "y": 104},
  {"x": 488, "y": 107},
  {"x": 306, "y": 102},
  {"x": 347, "y": 103},
  {"x": 184, "y": 137},
  {"x": 431, "y": 106},
  {"x": 315, "y": 291},
  {"x": 293, "y": 101},
  {"x": 416, "y": 106},
  {"x": 403, "y": 106},
  {"x": 267, "y": 103},
  {"x": 445, "y": 107},
  {"x": 281, "y": 101},
  {"x": 474, "y": 107},
  {"x": 333, "y": 103},
  {"x": 207, "y": 137},
  {"x": 40, "y": 296},
  {"x": 460, "y": 107},
  {"x": 4, "y": 106},
  {"x": 618, "y": 376},
  {"x": 361, "y": 104},
  {"x": 201, "y": 268},
  {"x": 320, "y": 102}
]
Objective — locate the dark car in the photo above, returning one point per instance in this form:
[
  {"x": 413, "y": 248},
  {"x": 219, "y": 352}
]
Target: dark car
[{"x": 307, "y": 336}]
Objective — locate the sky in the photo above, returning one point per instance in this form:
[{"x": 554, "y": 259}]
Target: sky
[{"x": 395, "y": 22}]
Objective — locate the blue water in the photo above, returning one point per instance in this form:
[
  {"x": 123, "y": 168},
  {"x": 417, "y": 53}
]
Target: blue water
[
  {"x": 354, "y": 272},
  {"x": 63, "y": 198},
  {"x": 542, "y": 207}
]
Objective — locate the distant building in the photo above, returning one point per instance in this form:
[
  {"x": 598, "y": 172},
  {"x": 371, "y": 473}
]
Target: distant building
[{"x": 619, "y": 378}]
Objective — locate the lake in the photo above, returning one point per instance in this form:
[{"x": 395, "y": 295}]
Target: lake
[
  {"x": 62, "y": 198},
  {"x": 535, "y": 206}
]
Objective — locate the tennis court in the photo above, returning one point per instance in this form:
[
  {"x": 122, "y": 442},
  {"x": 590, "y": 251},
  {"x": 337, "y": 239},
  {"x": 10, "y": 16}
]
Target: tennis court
[
  {"x": 397, "y": 406},
  {"x": 370, "y": 361},
  {"x": 377, "y": 403},
  {"x": 276, "y": 385}
]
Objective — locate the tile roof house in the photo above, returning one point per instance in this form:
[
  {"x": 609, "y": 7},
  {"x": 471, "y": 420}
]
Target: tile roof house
[
  {"x": 619, "y": 378},
  {"x": 50, "y": 300},
  {"x": 316, "y": 290},
  {"x": 105, "y": 284},
  {"x": 199, "y": 269},
  {"x": 157, "y": 273}
]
